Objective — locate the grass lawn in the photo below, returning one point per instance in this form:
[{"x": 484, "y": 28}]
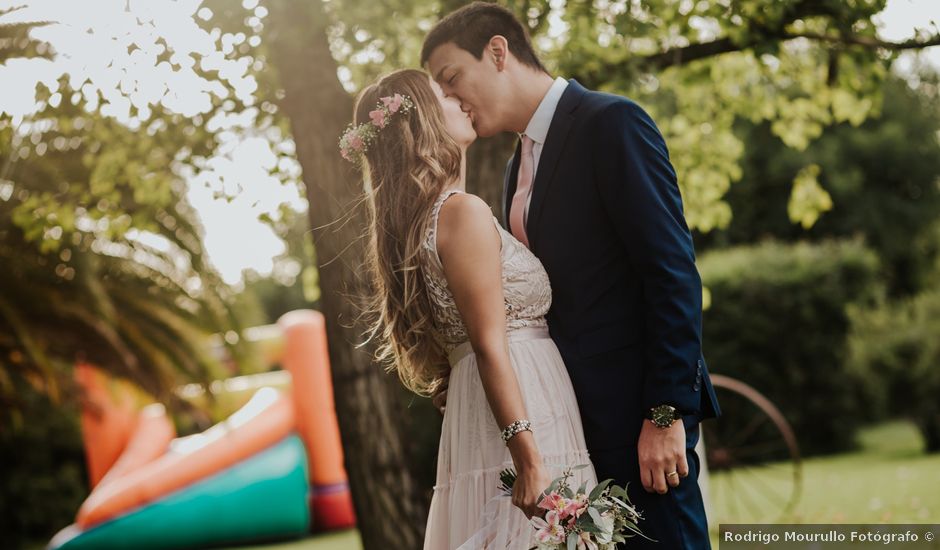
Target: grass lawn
[
  {"x": 888, "y": 480},
  {"x": 344, "y": 540}
]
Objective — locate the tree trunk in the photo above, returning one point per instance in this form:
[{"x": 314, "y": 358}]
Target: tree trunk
[
  {"x": 486, "y": 166},
  {"x": 389, "y": 505}
]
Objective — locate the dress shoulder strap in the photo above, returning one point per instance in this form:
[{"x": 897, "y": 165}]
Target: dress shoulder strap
[{"x": 435, "y": 214}]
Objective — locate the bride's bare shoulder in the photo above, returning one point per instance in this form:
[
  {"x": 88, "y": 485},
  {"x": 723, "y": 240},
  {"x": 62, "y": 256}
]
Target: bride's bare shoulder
[{"x": 464, "y": 216}]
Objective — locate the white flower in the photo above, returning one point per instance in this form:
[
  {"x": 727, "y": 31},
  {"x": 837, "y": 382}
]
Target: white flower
[
  {"x": 585, "y": 542},
  {"x": 606, "y": 526}
]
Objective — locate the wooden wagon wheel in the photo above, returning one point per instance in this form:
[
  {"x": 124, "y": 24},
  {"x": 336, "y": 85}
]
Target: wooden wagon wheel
[{"x": 755, "y": 472}]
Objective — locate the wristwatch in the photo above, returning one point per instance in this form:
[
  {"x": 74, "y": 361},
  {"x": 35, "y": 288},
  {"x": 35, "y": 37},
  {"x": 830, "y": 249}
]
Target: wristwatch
[{"x": 663, "y": 416}]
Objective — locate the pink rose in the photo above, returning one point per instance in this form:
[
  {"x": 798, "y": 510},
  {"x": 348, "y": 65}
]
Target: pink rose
[{"x": 378, "y": 118}]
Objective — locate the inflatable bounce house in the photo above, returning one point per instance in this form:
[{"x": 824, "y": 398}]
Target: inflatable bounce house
[{"x": 272, "y": 470}]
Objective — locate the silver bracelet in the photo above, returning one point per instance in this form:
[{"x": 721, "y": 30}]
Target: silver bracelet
[{"x": 514, "y": 428}]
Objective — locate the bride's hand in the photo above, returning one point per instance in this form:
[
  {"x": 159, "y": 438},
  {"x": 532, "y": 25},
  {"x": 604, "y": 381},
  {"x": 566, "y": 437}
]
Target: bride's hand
[{"x": 529, "y": 487}]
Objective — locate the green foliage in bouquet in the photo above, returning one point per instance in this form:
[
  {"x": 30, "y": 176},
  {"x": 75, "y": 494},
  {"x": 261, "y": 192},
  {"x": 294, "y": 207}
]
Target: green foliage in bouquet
[{"x": 598, "y": 519}]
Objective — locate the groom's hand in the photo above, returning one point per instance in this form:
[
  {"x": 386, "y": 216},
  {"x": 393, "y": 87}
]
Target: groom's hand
[
  {"x": 662, "y": 451},
  {"x": 439, "y": 399}
]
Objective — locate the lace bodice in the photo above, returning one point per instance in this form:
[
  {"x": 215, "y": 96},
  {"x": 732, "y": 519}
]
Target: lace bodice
[{"x": 527, "y": 294}]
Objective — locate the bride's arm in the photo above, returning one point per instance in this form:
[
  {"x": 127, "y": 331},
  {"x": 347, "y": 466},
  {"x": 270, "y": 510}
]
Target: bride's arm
[{"x": 468, "y": 244}]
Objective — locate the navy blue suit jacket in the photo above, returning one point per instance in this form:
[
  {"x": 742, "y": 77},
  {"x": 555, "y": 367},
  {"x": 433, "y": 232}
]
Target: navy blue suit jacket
[{"x": 606, "y": 220}]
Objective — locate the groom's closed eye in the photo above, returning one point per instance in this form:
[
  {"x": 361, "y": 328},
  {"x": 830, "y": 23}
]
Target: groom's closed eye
[{"x": 439, "y": 75}]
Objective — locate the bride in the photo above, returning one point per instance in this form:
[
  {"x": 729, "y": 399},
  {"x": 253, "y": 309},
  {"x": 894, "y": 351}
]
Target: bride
[{"x": 458, "y": 301}]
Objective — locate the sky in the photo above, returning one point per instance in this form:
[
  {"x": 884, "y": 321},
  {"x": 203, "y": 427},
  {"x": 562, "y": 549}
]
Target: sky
[
  {"x": 234, "y": 237},
  {"x": 901, "y": 17}
]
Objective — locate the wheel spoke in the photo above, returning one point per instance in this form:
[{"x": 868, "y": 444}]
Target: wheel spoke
[
  {"x": 750, "y": 505},
  {"x": 780, "y": 499},
  {"x": 733, "y": 509},
  {"x": 756, "y": 468},
  {"x": 756, "y": 421},
  {"x": 785, "y": 472},
  {"x": 756, "y": 449}
]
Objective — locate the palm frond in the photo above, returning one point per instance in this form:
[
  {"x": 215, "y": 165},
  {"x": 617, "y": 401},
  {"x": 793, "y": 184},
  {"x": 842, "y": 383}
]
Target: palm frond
[{"x": 15, "y": 40}]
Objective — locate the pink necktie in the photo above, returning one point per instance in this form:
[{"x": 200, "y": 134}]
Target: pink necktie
[{"x": 523, "y": 188}]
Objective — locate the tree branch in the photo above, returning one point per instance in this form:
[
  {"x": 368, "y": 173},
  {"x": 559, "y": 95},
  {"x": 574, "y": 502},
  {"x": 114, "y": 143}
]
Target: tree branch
[
  {"x": 694, "y": 52},
  {"x": 687, "y": 54},
  {"x": 868, "y": 41},
  {"x": 801, "y": 10}
]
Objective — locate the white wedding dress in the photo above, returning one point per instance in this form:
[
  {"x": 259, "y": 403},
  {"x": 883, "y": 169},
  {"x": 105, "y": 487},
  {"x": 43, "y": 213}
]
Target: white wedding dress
[{"x": 467, "y": 510}]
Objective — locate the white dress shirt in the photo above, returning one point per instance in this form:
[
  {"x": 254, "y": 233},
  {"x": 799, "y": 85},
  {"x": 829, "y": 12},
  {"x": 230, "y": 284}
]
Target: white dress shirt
[{"x": 537, "y": 129}]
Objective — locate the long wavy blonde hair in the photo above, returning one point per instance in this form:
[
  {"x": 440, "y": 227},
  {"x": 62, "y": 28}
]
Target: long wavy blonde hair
[{"x": 411, "y": 162}]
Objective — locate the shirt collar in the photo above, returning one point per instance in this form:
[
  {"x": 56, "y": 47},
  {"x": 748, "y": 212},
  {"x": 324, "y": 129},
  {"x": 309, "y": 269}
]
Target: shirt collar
[{"x": 537, "y": 130}]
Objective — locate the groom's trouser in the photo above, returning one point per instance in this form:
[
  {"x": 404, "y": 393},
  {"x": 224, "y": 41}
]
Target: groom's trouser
[{"x": 677, "y": 519}]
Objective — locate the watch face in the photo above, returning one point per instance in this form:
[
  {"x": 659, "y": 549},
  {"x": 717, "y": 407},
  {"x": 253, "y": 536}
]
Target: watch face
[{"x": 663, "y": 415}]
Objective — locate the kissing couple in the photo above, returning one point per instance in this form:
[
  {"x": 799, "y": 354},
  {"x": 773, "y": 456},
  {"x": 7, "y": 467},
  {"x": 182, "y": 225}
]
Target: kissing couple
[{"x": 570, "y": 336}]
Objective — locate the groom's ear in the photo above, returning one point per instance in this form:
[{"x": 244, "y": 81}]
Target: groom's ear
[{"x": 498, "y": 50}]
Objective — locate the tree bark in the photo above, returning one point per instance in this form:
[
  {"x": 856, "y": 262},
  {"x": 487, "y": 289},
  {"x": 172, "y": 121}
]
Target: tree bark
[{"x": 390, "y": 507}]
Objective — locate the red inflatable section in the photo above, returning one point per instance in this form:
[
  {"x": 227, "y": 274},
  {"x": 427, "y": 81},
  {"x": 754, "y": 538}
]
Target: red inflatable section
[
  {"x": 109, "y": 417},
  {"x": 115, "y": 421},
  {"x": 152, "y": 435},
  {"x": 307, "y": 359},
  {"x": 268, "y": 419}
]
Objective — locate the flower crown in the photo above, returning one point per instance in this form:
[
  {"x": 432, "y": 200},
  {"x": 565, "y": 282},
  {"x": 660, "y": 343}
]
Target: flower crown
[{"x": 357, "y": 139}]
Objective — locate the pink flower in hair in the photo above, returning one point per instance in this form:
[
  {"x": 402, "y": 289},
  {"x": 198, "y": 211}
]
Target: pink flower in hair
[
  {"x": 357, "y": 139},
  {"x": 393, "y": 103},
  {"x": 378, "y": 118}
]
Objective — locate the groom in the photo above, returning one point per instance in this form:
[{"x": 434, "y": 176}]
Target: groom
[{"x": 590, "y": 190}]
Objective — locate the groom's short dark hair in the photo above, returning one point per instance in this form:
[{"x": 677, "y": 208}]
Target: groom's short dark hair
[{"x": 471, "y": 28}]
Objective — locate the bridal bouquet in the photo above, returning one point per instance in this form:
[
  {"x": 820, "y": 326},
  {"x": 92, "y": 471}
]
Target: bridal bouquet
[{"x": 576, "y": 519}]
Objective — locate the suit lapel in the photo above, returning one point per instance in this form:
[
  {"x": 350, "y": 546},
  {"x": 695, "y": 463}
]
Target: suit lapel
[
  {"x": 510, "y": 179},
  {"x": 551, "y": 152}
]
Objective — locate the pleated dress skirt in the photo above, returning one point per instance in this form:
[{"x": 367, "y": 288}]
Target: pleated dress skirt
[{"x": 468, "y": 512}]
